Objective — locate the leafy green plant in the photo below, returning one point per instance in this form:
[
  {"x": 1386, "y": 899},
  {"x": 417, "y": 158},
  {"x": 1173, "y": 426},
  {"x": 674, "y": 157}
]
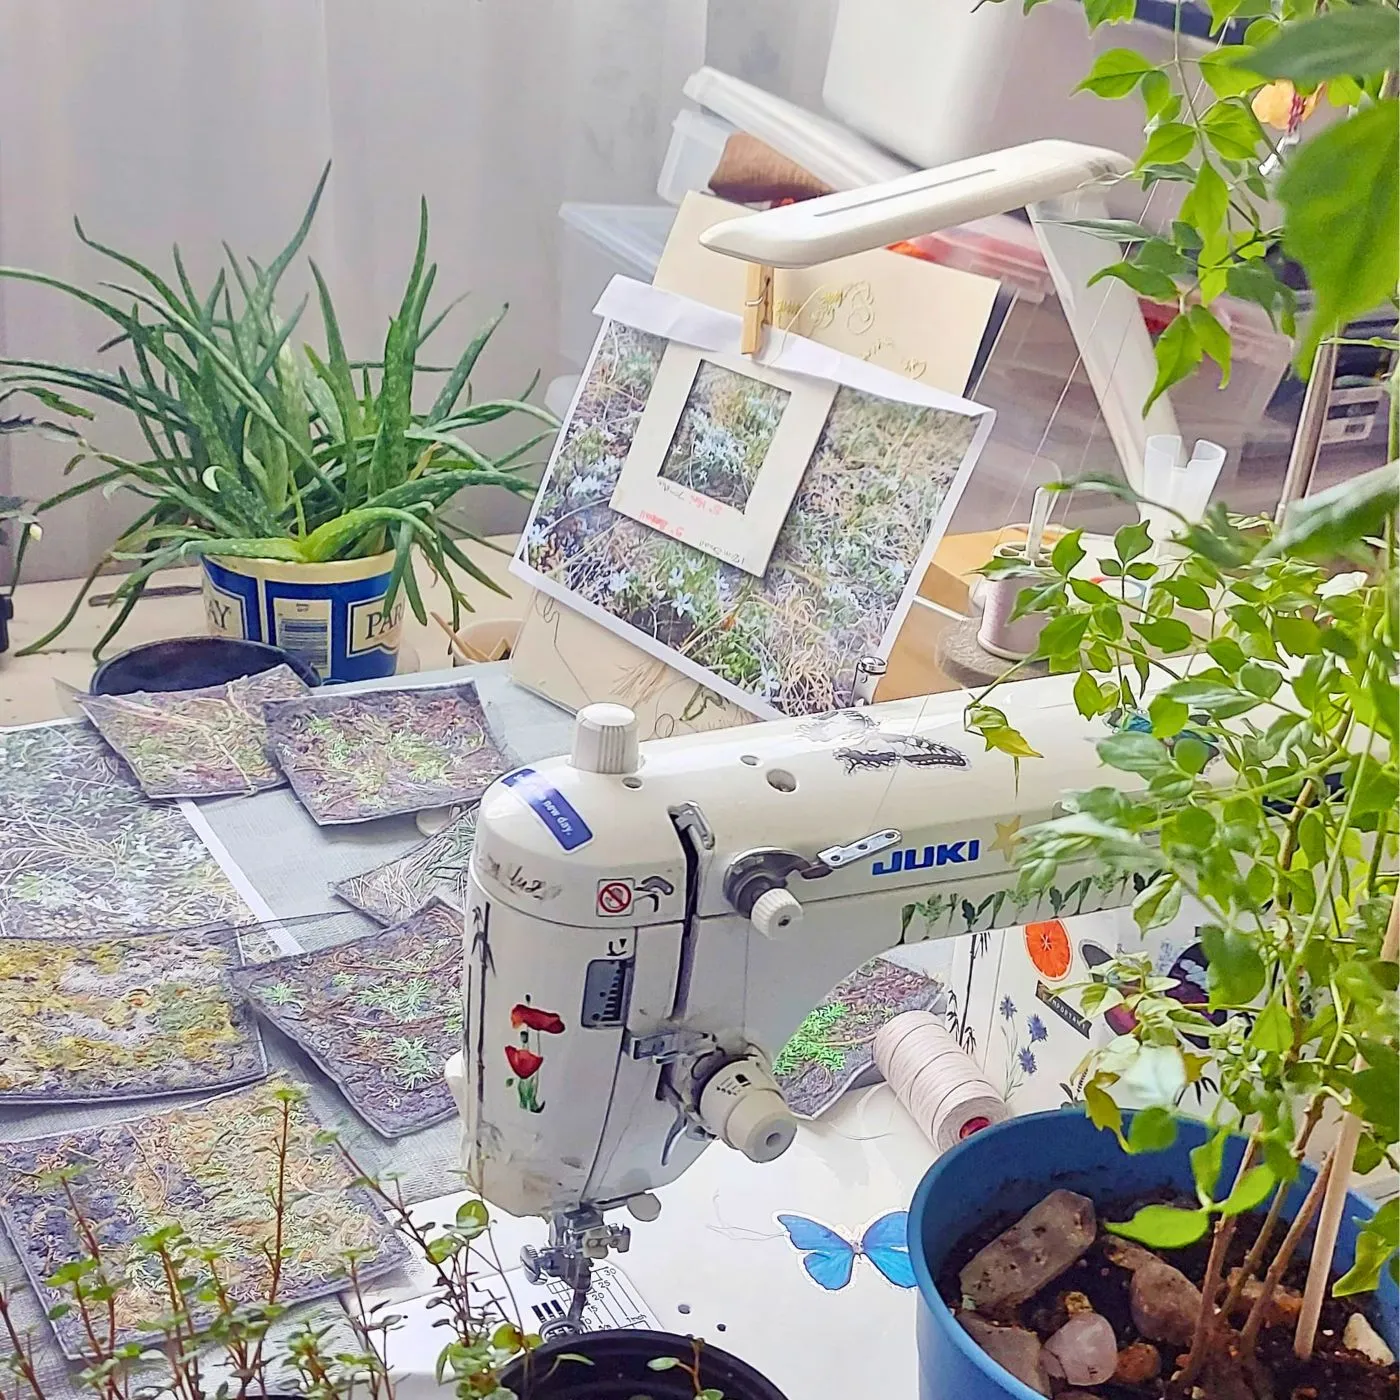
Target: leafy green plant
[
  {"x": 1223, "y": 128},
  {"x": 1246, "y": 693},
  {"x": 209, "y": 1344},
  {"x": 255, "y": 450}
]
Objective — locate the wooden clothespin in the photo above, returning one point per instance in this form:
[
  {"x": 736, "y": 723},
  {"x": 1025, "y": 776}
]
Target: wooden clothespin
[{"x": 758, "y": 307}]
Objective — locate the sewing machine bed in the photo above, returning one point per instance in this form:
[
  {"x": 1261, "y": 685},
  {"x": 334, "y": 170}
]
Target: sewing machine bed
[{"x": 716, "y": 1263}]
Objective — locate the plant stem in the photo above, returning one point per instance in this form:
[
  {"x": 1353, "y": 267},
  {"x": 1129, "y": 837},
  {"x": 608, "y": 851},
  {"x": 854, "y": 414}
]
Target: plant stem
[
  {"x": 1261, "y": 1243},
  {"x": 1250, "y": 1336},
  {"x": 1215, "y": 1268},
  {"x": 23, "y": 1354}
]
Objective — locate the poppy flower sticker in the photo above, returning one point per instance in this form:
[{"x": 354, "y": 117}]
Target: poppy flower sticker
[{"x": 527, "y": 1059}]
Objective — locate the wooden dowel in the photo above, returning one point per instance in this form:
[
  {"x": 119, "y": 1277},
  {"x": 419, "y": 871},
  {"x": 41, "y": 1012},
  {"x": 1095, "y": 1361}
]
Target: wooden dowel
[
  {"x": 453, "y": 640},
  {"x": 1330, "y": 1221}
]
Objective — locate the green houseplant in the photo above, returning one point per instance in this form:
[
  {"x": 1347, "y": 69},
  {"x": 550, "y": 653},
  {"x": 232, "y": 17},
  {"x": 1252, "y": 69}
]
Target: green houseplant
[
  {"x": 1252, "y": 690},
  {"x": 257, "y": 451},
  {"x": 1223, "y": 129}
]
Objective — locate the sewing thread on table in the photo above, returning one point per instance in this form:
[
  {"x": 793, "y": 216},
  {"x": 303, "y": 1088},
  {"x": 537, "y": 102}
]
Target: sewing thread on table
[{"x": 941, "y": 1085}]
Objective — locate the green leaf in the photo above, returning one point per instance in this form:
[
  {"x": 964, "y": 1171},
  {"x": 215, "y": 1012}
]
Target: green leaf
[
  {"x": 1298, "y": 636},
  {"x": 1273, "y": 1029},
  {"x": 1103, "y": 1113},
  {"x": 663, "y": 1363},
  {"x": 1172, "y": 141},
  {"x": 1205, "y": 207},
  {"x": 1178, "y": 351},
  {"x": 1234, "y": 969},
  {"x": 1232, "y": 129},
  {"x": 1229, "y": 70},
  {"x": 1167, "y": 634},
  {"x": 1260, "y": 680},
  {"x": 1214, "y": 338},
  {"x": 1151, "y": 1130},
  {"x": 1087, "y": 699},
  {"x": 1259, "y": 283},
  {"x": 1119, "y": 230},
  {"x": 1162, "y": 1227},
  {"x": 1206, "y": 1163},
  {"x": 1131, "y": 541},
  {"x": 1145, "y": 281},
  {"x": 1158, "y": 904},
  {"x": 1099, "y": 12},
  {"x": 1340, "y": 192},
  {"x": 1358, "y": 41},
  {"x": 1067, "y": 553},
  {"x": 1158, "y": 97},
  {"x": 1116, "y": 73},
  {"x": 1335, "y": 521},
  {"x": 1133, "y": 752},
  {"x": 1250, "y": 1192},
  {"x": 1376, "y": 1243},
  {"x": 1168, "y": 716}
]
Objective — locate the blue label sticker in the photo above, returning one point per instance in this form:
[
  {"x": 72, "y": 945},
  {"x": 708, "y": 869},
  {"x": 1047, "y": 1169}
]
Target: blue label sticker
[{"x": 551, "y": 807}]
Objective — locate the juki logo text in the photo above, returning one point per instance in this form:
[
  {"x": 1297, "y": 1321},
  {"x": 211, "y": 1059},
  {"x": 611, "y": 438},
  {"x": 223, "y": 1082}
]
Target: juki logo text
[{"x": 945, "y": 853}]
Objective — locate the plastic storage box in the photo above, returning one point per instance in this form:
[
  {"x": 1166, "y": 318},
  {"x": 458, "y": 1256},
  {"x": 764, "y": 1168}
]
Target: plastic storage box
[{"x": 598, "y": 242}]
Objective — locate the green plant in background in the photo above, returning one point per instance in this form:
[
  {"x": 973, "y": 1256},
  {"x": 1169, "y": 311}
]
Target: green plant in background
[
  {"x": 1252, "y": 691},
  {"x": 1221, "y": 128},
  {"x": 254, "y": 450}
]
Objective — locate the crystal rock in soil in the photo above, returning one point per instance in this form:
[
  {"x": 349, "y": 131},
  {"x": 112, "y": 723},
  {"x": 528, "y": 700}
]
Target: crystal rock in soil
[
  {"x": 1165, "y": 1303},
  {"x": 1360, "y": 1336},
  {"x": 1013, "y": 1348},
  {"x": 1039, "y": 1247},
  {"x": 1084, "y": 1351}
]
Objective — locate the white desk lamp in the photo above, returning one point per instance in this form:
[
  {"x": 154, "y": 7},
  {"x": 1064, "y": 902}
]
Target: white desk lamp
[{"x": 1056, "y": 181}]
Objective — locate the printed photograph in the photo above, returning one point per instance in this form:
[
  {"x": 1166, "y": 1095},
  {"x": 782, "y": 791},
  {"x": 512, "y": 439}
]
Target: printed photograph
[
  {"x": 792, "y": 638},
  {"x": 724, "y": 433}
]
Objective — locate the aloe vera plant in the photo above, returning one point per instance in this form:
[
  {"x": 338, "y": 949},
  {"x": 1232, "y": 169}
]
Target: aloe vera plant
[{"x": 254, "y": 449}]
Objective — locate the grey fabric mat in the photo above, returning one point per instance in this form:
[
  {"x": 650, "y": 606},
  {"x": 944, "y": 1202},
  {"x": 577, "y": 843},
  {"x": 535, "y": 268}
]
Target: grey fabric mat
[{"x": 292, "y": 863}]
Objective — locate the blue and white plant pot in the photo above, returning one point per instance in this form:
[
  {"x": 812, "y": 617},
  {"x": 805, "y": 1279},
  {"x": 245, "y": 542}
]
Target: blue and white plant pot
[
  {"x": 1005, "y": 1170},
  {"x": 332, "y": 616}
]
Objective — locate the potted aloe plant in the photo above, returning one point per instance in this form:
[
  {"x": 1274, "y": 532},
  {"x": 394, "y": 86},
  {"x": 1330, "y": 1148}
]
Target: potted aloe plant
[{"x": 303, "y": 481}]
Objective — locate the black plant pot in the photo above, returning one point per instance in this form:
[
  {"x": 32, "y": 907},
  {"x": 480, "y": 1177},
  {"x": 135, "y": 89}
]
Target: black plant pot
[
  {"x": 619, "y": 1370},
  {"x": 187, "y": 663}
]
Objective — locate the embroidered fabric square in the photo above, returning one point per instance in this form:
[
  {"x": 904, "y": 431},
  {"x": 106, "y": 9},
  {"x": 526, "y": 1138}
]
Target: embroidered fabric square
[
  {"x": 833, "y": 1046},
  {"x": 122, "y": 1018},
  {"x": 210, "y": 1168},
  {"x": 84, "y": 853},
  {"x": 210, "y": 742},
  {"x": 381, "y": 1015},
  {"x": 398, "y": 888},
  {"x": 350, "y": 758}
]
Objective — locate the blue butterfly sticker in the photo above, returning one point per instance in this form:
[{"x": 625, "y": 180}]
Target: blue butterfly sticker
[{"x": 830, "y": 1259}]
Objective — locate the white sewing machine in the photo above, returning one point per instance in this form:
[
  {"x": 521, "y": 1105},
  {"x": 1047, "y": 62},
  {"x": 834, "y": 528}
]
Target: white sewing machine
[{"x": 646, "y": 928}]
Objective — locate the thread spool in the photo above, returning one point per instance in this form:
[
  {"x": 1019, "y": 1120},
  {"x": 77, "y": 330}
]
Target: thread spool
[{"x": 940, "y": 1084}]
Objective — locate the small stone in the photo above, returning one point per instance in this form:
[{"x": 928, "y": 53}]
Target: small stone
[
  {"x": 1138, "y": 1363},
  {"x": 1013, "y": 1348},
  {"x": 1284, "y": 1305},
  {"x": 1084, "y": 1351},
  {"x": 1077, "y": 1303},
  {"x": 1165, "y": 1303},
  {"x": 1038, "y": 1248},
  {"x": 1127, "y": 1254},
  {"x": 1359, "y": 1335}
]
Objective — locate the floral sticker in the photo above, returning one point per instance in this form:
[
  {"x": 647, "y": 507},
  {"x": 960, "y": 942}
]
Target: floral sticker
[{"x": 527, "y": 1058}]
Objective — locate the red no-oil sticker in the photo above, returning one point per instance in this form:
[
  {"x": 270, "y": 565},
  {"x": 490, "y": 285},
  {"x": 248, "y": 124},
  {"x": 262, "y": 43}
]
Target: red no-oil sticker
[{"x": 614, "y": 897}]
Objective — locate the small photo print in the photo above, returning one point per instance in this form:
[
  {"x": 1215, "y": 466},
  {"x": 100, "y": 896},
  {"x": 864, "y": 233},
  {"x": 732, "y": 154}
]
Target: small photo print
[{"x": 724, "y": 434}]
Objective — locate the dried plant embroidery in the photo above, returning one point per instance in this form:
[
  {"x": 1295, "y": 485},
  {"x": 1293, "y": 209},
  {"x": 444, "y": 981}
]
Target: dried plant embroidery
[
  {"x": 196, "y": 743},
  {"x": 872, "y": 491},
  {"x": 834, "y": 1045},
  {"x": 122, "y": 1018},
  {"x": 209, "y": 1169},
  {"x": 437, "y": 868},
  {"x": 350, "y": 758},
  {"x": 381, "y": 1015},
  {"x": 84, "y": 853}
]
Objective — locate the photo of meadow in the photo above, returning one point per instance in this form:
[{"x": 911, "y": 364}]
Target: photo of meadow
[
  {"x": 724, "y": 433},
  {"x": 791, "y": 639}
]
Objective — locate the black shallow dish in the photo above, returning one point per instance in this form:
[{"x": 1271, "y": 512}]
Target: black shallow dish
[
  {"x": 619, "y": 1370},
  {"x": 188, "y": 663}
]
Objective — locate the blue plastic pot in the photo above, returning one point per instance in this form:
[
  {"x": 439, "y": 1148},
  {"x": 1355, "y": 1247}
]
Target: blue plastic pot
[{"x": 1005, "y": 1170}]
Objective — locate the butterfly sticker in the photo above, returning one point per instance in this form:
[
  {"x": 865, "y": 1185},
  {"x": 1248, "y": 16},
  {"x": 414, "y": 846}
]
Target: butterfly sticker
[{"x": 830, "y": 1259}]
